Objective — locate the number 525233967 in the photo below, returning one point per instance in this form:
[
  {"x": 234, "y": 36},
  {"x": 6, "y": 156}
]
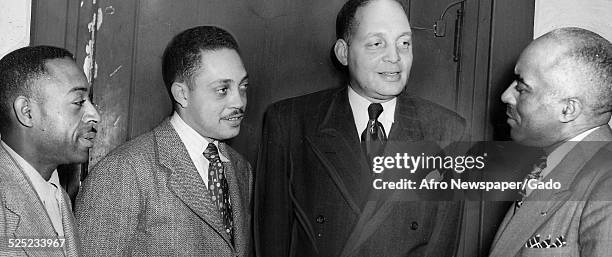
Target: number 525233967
[{"x": 36, "y": 242}]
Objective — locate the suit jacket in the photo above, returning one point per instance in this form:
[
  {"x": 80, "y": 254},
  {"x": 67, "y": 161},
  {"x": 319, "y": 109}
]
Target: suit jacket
[
  {"x": 23, "y": 215},
  {"x": 313, "y": 192},
  {"x": 581, "y": 211},
  {"x": 146, "y": 198}
]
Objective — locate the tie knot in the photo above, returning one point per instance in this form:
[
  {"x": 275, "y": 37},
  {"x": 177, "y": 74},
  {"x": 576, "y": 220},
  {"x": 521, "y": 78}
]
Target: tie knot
[
  {"x": 541, "y": 162},
  {"x": 374, "y": 110},
  {"x": 211, "y": 153}
]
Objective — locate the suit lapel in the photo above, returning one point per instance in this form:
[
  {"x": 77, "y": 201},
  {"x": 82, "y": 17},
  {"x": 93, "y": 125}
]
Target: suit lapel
[
  {"x": 540, "y": 204},
  {"x": 406, "y": 125},
  {"x": 237, "y": 189},
  {"x": 184, "y": 180},
  {"x": 29, "y": 216},
  {"x": 336, "y": 144},
  {"x": 72, "y": 242}
]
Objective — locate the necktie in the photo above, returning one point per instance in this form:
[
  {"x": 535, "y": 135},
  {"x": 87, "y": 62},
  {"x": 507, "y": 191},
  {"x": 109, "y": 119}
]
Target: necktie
[
  {"x": 373, "y": 138},
  {"x": 219, "y": 189},
  {"x": 536, "y": 173}
]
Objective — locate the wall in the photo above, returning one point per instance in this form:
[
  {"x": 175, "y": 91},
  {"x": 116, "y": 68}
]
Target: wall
[
  {"x": 14, "y": 25},
  {"x": 594, "y": 15}
]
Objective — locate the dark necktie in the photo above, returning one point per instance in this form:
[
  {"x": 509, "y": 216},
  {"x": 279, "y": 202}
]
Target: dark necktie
[
  {"x": 536, "y": 173},
  {"x": 373, "y": 138},
  {"x": 219, "y": 189}
]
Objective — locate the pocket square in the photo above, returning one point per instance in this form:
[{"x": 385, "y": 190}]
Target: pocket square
[{"x": 537, "y": 242}]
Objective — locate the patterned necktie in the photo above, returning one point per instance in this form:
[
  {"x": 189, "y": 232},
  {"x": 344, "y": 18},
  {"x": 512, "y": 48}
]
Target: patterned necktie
[
  {"x": 536, "y": 173},
  {"x": 373, "y": 138},
  {"x": 219, "y": 189}
]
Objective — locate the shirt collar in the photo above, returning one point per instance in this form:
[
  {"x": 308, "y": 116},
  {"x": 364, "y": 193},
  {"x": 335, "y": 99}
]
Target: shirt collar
[
  {"x": 193, "y": 141},
  {"x": 359, "y": 107},
  {"x": 557, "y": 155},
  {"x": 582, "y": 135}
]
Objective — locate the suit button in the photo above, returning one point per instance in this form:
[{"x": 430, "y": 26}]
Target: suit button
[
  {"x": 319, "y": 235},
  {"x": 321, "y": 219},
  {"x": 414, "y": 225}
]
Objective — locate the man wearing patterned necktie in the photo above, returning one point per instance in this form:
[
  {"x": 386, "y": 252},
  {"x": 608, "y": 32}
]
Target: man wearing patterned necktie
[
  {"x": 313, "y": 179},
  {"x": 178, "y": 190},
  {"x": 561, "y": 101},
  {"x": 47, "y": 119}
]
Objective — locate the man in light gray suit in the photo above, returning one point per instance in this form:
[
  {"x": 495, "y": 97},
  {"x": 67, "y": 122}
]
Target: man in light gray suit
[
  {"x": 46, "y": 119},
  {"x": 561, "y": 101},
  {"x": 178, "y": 190}
]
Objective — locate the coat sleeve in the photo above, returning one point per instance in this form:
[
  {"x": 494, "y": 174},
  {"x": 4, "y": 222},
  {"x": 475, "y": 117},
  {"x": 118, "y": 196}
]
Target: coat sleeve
[
  {"x": 107, "y": 208},
  {"x": 273, "y": 213}
]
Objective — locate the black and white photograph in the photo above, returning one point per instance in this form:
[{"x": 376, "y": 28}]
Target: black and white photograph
[{"x": 306, "y": 128}]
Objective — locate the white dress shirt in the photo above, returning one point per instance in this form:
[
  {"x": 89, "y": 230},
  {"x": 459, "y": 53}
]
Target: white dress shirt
[
  {"x": 48, "y": 191},
  {"x": 195, "y": 144},
  {"x": 359, "y": 106}
]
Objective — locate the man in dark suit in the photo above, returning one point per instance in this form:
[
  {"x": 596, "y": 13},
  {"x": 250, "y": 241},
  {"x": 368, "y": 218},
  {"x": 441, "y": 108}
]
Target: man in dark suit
[
  {"x": 47, "y": 119},
  {"x": 561, "y": 101},
  {"x": 314, "y": 193},
  {"x": 178, "y": 190}
]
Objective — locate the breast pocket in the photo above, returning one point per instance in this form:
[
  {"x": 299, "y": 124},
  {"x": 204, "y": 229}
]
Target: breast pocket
[{"x": 549, "y": 252}]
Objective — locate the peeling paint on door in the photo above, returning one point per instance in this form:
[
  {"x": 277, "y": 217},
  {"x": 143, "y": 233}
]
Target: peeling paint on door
[
  {"x": 90, "y": 67},
  {"x": 109, "y": 10}
]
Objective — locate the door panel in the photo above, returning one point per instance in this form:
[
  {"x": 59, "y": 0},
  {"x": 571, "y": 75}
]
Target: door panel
[{"x": 434, "y": 71}]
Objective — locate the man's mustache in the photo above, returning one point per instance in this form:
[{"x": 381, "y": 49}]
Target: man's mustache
[{"x": 236, "y": 112}]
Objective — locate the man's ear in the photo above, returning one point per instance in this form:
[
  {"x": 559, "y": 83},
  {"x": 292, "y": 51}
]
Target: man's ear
[
  {"x": 22, "y": 106},
  {"x": 572, "y": 109},
  {"x": 341, "y": 51},
  {"x": 180, "y": 93}
]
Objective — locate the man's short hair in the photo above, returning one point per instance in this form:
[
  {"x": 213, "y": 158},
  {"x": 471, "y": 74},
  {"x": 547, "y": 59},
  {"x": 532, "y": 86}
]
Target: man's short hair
[
  {"x": 346, "y": 22},
  {"x": 183, "y": 54},
  {"x": 589, "y": 58},
  {"x": 19, "y": 69}
]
